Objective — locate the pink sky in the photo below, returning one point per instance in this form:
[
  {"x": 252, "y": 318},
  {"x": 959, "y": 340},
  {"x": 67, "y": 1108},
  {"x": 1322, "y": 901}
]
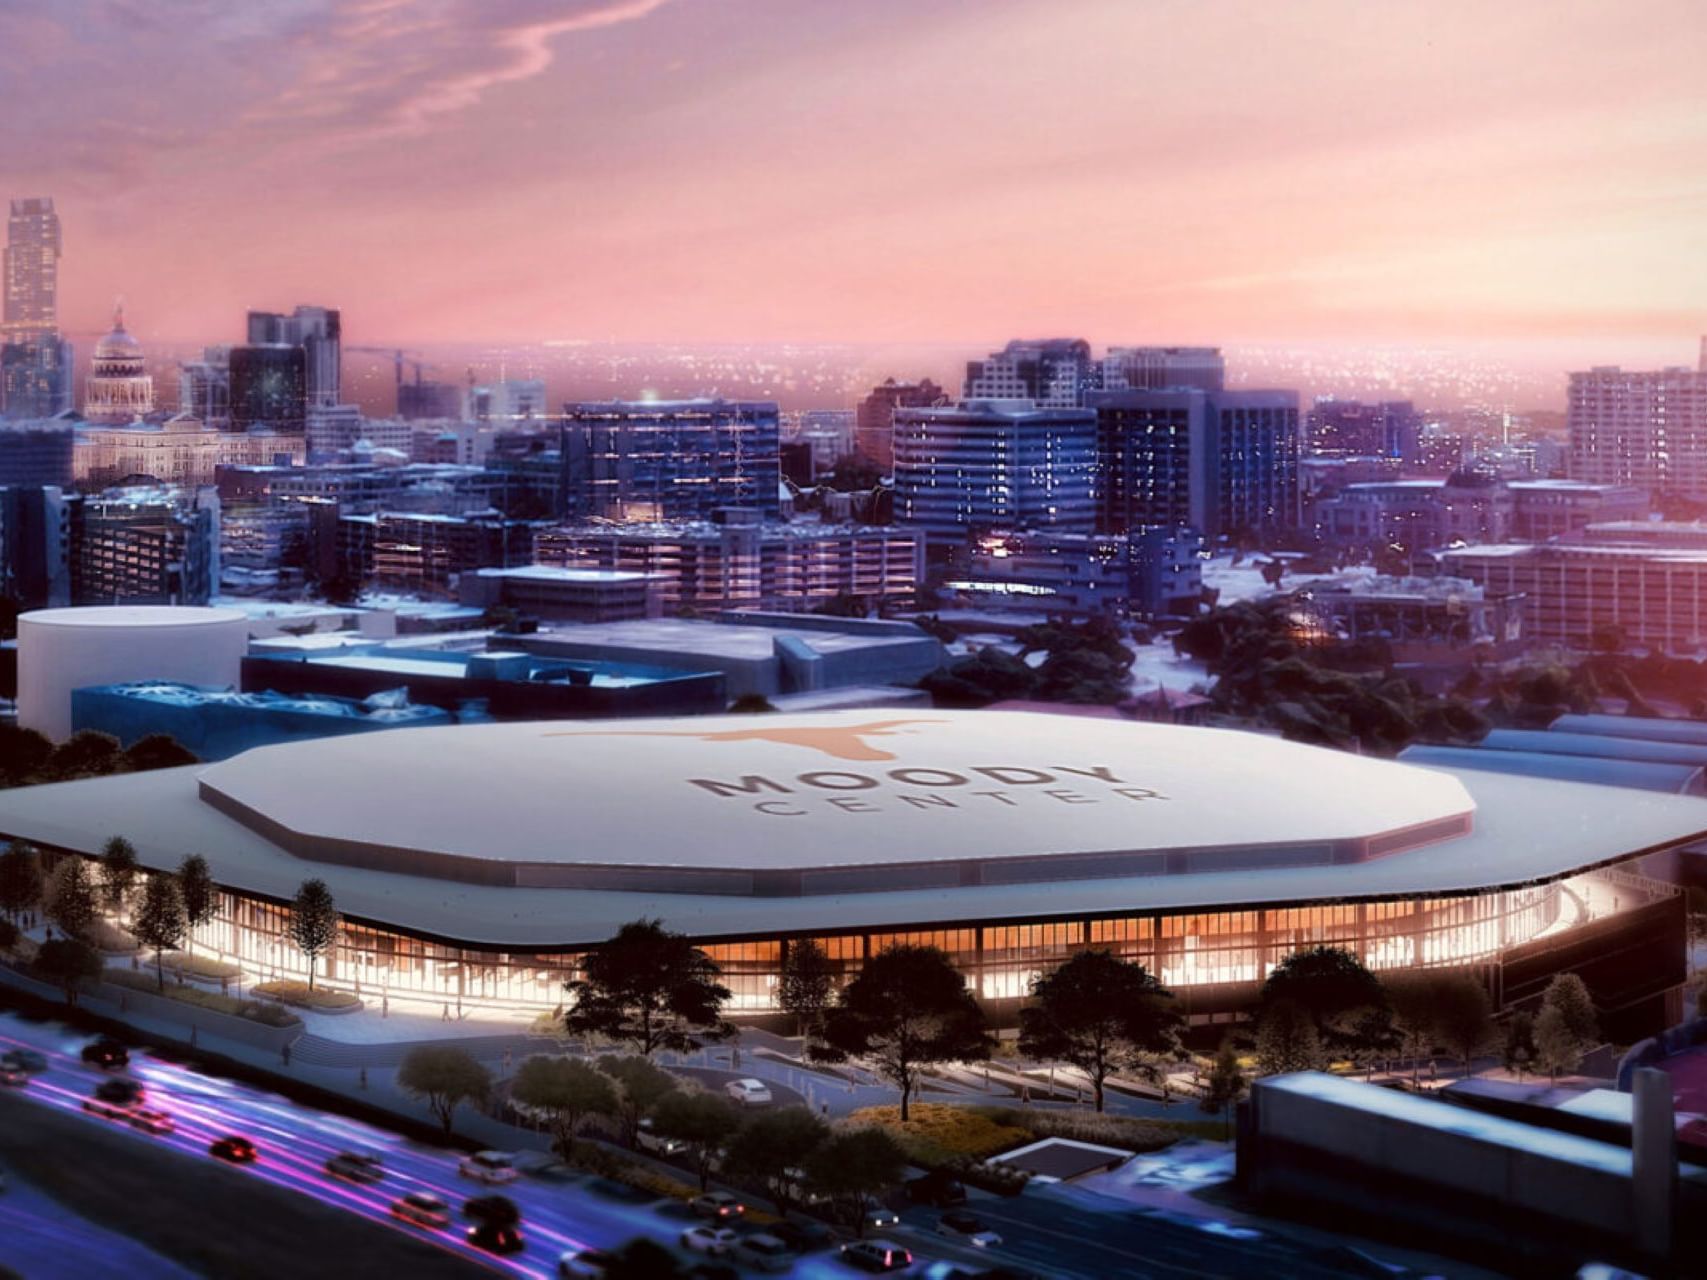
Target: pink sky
[{"x": 888, "y": 171}]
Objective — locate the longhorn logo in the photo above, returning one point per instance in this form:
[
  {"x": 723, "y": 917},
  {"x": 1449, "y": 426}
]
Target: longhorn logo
[{"x": 842, "y": 742}]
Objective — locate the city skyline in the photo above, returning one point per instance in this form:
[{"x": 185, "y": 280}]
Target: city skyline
[{"x": 625, "y": 170}]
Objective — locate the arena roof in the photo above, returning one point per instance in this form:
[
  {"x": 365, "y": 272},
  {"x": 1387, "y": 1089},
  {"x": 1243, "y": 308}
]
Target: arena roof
[{"x": 497, "y": 793}]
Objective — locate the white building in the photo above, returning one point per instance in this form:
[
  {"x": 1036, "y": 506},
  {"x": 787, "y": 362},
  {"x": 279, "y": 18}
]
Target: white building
[
  {"x": 119, "y": 388},
  {"x": 1647, "y": 429}
]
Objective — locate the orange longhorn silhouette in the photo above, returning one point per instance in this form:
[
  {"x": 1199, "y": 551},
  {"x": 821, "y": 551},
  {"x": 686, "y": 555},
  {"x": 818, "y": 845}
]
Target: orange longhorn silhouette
[{"x": 843, "y": 743}]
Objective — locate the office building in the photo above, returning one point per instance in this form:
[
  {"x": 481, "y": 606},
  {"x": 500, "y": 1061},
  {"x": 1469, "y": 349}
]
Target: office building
[
  {"x": 1225, "y": 464},
  {"x": 268, "y": 387},
  {"x": 1053, "y": 373},
  {"x": 204, "y": 388},
  {"x": 35, "y": 545},
  {"x": 319, "y": 332},
  {"x": 1544, "y": 509},
  {"x": 1148, "y": 573},
  {"x": 741, "y": 562},
  {"x": 336, "y": 428},
  {"x": 35, "y": 378},
  {"x": 826, "y": 435},
  {"x": 469, "y": 865},
  {"x": 424, "y": 553},
  {"x": 1358, "y": 429},
  {"x": 1647, "y": 429},
  {"x": 418, "y": 400},
  {"x": 145, "y": 546},
  {"x": 553, "y": 593},
  {"x": 35, "y": 362},
  {"x": 1159, "y": 368},
  {"x": 119, "y": 388},
  {"x": 874, "y": 420},
  {"x": 995, "y": 464},
  {"x": 672, "y": 460},
  {"x": 36, "y": 453},
  {"x": 1417, "y": 515},
  {"x": 512, "y": 402}
]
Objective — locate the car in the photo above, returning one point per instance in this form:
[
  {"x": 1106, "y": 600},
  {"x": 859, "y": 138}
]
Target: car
[
  {"x": 26, "y": 1060},
  {"x": 156, "y": 1122},
  {"x": 106, "y": 1053},
  {"x": 802, "y": 1234},
  {"x": 763, "y": 1251},
  {"x": 495, "y": 1209},
  {"x": 492, "y": 1167},
  {"x": 712, "y": 1271},
  {"x": 937, "y": 1189},
  {"x": 356, "y": 1167},
  {"x": 114, "y": 1099},
  {"x": 968, "y": 1228},
  {"x": 422, "y": 1208},
  {"x": 13, "y": 1077},
  {"x": 236, "y": 1149},
  {"x": 748, "y": 1092},
  {"x": 495, "y": 1239},
  {"x": 586, "y": 1264},
  {"x": 876, "y": 1255},
  {"x": 720, "y": 1205},
  {"x": 879, "y": 1217},
  {"x": 647, "y": 1138},
  {"x": 713, "y": 1240}
]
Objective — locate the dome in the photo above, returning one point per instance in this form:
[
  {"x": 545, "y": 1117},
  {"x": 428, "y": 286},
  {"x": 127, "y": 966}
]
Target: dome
[{"x": 117, "y": 345}]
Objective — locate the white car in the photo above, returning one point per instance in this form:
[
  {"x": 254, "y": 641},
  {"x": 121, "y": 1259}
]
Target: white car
[
  {"x": 968, "y": 1228},
  {"x": 585, "y": 1264},
  {"x": 649, "y": 1139},
  {"x": 713, "y": 1240},
  {"x": 423, "y": 1209},
  {"x": 748, "y": 1092},
  {"x": 152, "y": 1121},
  {"x": 491, "y": 1167}
]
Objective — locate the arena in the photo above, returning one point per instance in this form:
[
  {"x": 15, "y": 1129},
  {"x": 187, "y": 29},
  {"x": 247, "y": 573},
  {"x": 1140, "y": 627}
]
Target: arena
[{"x": 476, "y": 864}]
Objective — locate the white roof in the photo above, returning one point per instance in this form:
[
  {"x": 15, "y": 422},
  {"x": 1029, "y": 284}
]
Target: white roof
[{"x": 133, "y": 616}]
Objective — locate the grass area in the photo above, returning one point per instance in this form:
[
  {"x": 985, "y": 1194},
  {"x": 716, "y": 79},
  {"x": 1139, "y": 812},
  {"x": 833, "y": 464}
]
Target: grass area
[
  {"x": 936, "y": 1133},
  {"x": 254, "y": 1010},
  {"x": 211, "y": 1219},
  {"x": 201, "y": 966},
  {"x": 1130, "y": 1132},
  {"x": 298, "y": 993}
]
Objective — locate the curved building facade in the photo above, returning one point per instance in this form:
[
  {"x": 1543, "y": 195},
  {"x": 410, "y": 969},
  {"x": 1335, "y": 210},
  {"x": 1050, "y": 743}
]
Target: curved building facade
[
  {"x": 119, "y": 388},
  {"x": 478, "y": 864}
]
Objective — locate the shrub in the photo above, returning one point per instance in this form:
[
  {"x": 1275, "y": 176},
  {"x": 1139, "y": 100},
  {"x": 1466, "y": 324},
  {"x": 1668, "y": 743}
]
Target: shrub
[
  {"x": 201, "y": 966},
  {"x": 1002, "y": 1179},
  {"x": 299, "y": 993},
  {"x": 255, "y": 1010},
  {"x": 936, "y": 1133},
  {"x": 106, "y": 936},
  {"x": 1105, "y": 1130}
]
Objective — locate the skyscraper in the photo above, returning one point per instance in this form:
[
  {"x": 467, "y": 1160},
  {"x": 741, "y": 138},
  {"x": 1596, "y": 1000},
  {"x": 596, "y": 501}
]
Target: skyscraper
[
  {"x": 1647, "y": 429},
  {"x": 1053, "y": 373},
  {"x": 1358, "y": 429},
  {"x": 1157, "y": 368},
  {"x": 268, "y": 387},
  {"x": 319, "y": 332},
  {"x": 874, "y": 424},
  {"x": 986, "y": 464},
  {"x": 35, "y": 363},
  {"x": 672, "y": 459}
]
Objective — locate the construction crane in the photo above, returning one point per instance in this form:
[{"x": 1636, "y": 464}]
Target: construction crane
[{"x": 399, "y": 358}]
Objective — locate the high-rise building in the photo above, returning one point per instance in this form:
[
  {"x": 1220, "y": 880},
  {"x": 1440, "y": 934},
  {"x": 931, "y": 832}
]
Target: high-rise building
[
  {"x": 1642, "y": 428},
  {"x": 1158, "y": 368},
  {"x": 1221, "y": 463},
  {"x": 1053, "y": 373},
  {"x": 35, "y": 545},
  {"x": 146, "y": 546},
  {"x": 672, "y": 459},
  {"x": 319, "y": 332},
  {"x": 511, "y": 402},
  {"x": 874, "y": 422},
  {"x": 419, "y": 399},
  {"x": 119, "y": 388},
  {"x": 204, "y": 387},
  {"x": 35, "y": 362},
  {"x": 37, "y": 452},
  {"x": 986, "y": 464},
  {"x": 268, "y": 387},
  {"x": 1357, "y": 429}
]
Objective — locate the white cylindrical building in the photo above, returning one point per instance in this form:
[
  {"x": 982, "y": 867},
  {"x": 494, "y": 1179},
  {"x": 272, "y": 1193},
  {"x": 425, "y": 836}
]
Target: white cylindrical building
[{"x": 64, "y": 649}]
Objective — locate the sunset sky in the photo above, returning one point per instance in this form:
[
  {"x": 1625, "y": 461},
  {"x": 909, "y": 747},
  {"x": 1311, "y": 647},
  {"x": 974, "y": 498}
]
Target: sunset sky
[{"x": 872, "y": 170}]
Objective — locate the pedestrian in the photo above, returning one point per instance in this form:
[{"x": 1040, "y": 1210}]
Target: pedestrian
[
  {"x": 385, "y": 1004},
  {"x": 192, "y": 1036},
  {"x": 506, "y": 1062},
  {"x": 826, "y": 1105},
  {"x": 444, "y": 1013},
  {"x": 362, "y": 1082},
  {"x": 284, "y": 1054},
  {"x": 1025, "y": 1095}
]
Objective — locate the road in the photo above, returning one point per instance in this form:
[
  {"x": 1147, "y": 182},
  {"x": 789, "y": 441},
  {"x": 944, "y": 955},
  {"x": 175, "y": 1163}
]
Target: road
[{"x": 1055, "y": 1232}]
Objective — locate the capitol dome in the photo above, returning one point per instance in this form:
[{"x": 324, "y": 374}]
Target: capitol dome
[{"x": 119, "y": 389}]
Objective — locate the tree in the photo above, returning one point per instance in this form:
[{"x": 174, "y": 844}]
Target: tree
[
  {"x": 643, "y": 1259},
  {"x": 23, "y": 755},
  {"x": 806, "y": 987},
  {"x": 1517, "y": 1049},
  {"x": 20, "y": 879},
  {"x": 156, "y": 751},
  {"x": 643, "y": 1087},
  {"x": 649, "y": 988},
  {"x": 909, "y": 1007},
  {"x": 1343, "y": 1000},
  {"x": 67, "y": 963},
  {"x": 313, "y": 926},
  {"x": 853, "y": 1165},
  {"x": 1558, "y": 1048},
  {"x": 772, "y": 1148},
  {"x": 1101, "y": 1014},
  {"x": 85, "y": 754},
  {"x": 1464, "y": 1017},
  {"x": 702, "y": 1120},
  {"x": 443, "y": 1077},
  {"x": 1569, "y": 995},
  {"x": 71, "y": 899},
  {"x": 1224, "y": 1085},
  {"x": 119, "y": 870},
  {"x": 567, "y": 1090},
  {"x": 1287, "y": 1040},
  {"x": 196, "y": 888},
  {"x": 160, "y": 922},
  {"x": 751, "y": 704},
  {"x": 1411, "y": 998}
]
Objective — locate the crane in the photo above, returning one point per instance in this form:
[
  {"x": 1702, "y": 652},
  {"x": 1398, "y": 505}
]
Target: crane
[{"x": 399, "y": 358}]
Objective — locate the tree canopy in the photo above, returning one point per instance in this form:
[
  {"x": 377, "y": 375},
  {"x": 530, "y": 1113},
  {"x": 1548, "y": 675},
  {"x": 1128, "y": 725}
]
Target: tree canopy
[
  {"x": 196, "y": 888},
  {"x": 71, "y": 902},
  {"x": 853, "y": 1165},
  {"x": 649, "y": 988},
  {"x": 806, "y": 986},
  {"x": 1100, "y": 1013},
  {"x": 443, "y": 1077},
  {"x": 702, "y": 1120},
  {"x": 641, "y": 1087},
  {"x": 67, "y": 963},
  {"x": 907, "y": 1008},
  {"x": 1345, "y": 1003},
  {"x": 159, "y": 921},
  {"x": 119, "y": 870},
  {"x": 313, "y": 926},
  {"x": 20, "y": 879},
  {"x": 566, "y": 1090},
  {"x": 773, "y": 1147}
]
